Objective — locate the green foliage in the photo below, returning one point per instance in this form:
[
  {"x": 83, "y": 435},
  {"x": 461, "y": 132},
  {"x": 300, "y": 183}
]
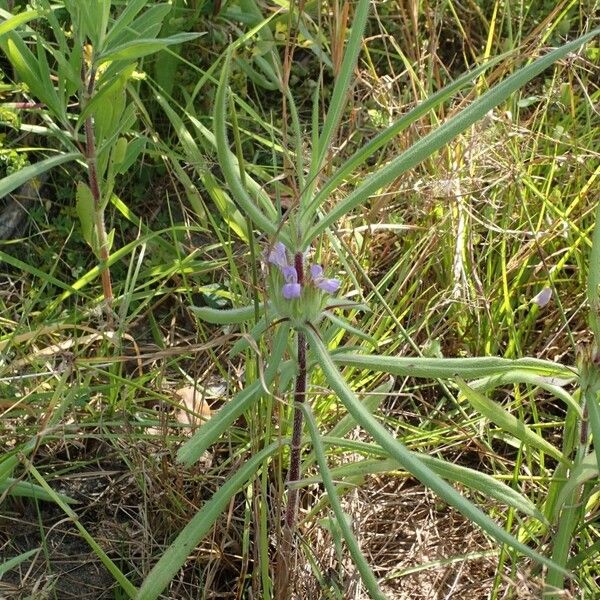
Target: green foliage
[{"x": 295, "y": 176}]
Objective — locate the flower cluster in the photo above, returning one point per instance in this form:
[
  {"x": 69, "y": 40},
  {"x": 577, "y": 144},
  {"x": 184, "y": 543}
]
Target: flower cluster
[{"x": 292, "y": 287}]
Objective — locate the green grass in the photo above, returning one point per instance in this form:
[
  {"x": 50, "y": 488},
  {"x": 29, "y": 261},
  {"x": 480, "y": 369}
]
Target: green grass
[{"x": 448, "y": 257}]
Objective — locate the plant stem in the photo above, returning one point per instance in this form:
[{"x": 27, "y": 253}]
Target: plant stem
[
  {"x": 296, "y": 447},
  {"x": 299, "y": 399},
  {"x": 91, "y": 160},
  {"x": 286, "y": 553}
]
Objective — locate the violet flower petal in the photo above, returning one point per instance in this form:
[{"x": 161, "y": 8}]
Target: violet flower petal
[
  {"x": 543, "y": 297},
  {"x": 316, "y": 272},
  {"x": 329, "y": 285},
  {"x": 278, "y": 255},
  {"x": 291, "y": 290},
  {"x": 289, "y": 274}
]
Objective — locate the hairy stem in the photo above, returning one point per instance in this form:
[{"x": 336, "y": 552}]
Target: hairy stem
[
  {"x": 296, "y": 447},
  {"x": 299, "y": 398}
]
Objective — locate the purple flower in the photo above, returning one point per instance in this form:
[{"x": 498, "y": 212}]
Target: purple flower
[
  {"x": 543, "y": 297},
  {"x": 292, "y": 288},
  {"x": 278, "y": 256},
  {"x": 327, "y": 285}
]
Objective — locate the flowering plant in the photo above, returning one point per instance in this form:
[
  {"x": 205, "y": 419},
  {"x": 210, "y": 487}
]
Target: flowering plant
[
  {"x": 297, "y": 299},
  {"x": 297, "y": 289}
]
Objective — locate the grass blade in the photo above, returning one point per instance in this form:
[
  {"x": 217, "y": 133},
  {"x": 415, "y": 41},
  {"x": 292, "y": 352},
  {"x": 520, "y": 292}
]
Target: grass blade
[
  {"x": 127, "y": 586},
  {"x": 16, "y": 561},
  {"x": 507, "y": 422},
  {"x": 189, "y": 537},
  {"x": 210, "y": 431},
  {"x": 367, "y": 576},
  {"x": 340, "y": 90},
  {"x": 366, "y": 151},
  {"x": 15, "y": 180}
]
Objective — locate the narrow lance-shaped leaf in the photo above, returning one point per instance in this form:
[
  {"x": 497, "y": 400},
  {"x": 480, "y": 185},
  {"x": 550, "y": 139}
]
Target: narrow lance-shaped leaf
[
  {"x": 232, "y": 178},
  {"x": 553, "y": 385},
  {"x": 84, "y": 206},
  {"x": 15, "y": 21},
  {"x": 370, "y": 400},
  {"x": 344, "y": 324},
  {"x": 25, "y": 489},
  {"x": 15, "y": 180},
  {"x": 398, "y": 451},
  {"x": 448, "y": 368},
  {"x": 361, "y": 563},
  {"x": 475, "y": 480},
  {"x": 17, "y": 560},
  {"x": 366, "y": 151},
  {"x": 132, "y": 8},
  {"x": 593, "y": 283},
  {"x": 435, "y": 140},
  {"x": 507, "y": 422},
  {"x": 584, "y": 471},
  {"x": 138, "y": 48},
  {"x": 226, "y": 316},
  {"x": 340, "y": 90}
]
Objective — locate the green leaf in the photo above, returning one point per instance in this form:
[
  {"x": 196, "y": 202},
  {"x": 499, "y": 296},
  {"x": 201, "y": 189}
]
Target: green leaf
[
  {"x": 228, "y": 166},
  {"x": 24, "y": 489},
  {"x": 593, "y": 282},
  {"x": 226, "y": 206},
  {"x": 474, "y": 480},
  {"x": 366, "y": 151},
  {"x": 437, "y": 139},
  {"x": 587, "y": 469},
  {"x": 361, "y": 563},
  {"x": 135, "y": 147},
  {"x": 223, "y": 202},
  {"x": 17, "y": 20},
  {"x": 112, "y": 568},
  {"x": 86, "y": 212},
  {"x": 16, "y": 561},
  {"x": 255, "y": 333},
  {"x": 138, "y": 48},
  {"x": 15, "y": 180},
  {"x": 7, "y": 466},
  {"x": 132, "y": 8},
  {"x": 146, "y": 26},
  {"x": 344, "y": 324},
  {"x": 508, "y": 422},
  {"x": 108, "y": 102},
  {"x": 411, "y": 462},
  {"x": 553, "y": 385},
  {"x": 448, "y": 368},
  {"x": 27, "y": 68},
  {"x": 370, "y": 400},
  {"x": 229, "y": 316},
  {"x": 339, "y": 95}
]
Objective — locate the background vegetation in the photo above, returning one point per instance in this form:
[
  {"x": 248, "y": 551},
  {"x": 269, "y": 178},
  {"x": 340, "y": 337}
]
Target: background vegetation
[{"x": 481, "y": 250}]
